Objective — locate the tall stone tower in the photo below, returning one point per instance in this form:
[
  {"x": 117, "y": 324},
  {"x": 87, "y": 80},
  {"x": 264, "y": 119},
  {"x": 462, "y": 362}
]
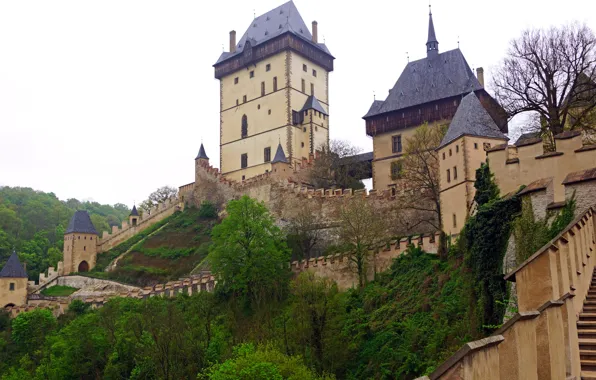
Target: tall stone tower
[
  {"x": 13, "y": 283},
  {"x": 274, "y": 87},
  {"x": 80, "y": 244}
]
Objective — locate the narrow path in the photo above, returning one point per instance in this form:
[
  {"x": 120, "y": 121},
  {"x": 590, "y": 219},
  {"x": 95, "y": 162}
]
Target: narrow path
[
  {"x": 112, "y": 265},
  {"x": 586, "y": 331}
]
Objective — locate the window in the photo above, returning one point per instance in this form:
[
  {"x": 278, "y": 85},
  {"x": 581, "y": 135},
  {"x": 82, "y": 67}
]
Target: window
[
  {"x": 457, "y": 149},
  {"x": 312, "y": 89},
  {"x": 11, "y": 287},
  {"x": 262, "y": 88},
  {"x": 304, "y": 129},
  {"x": 443, "y": 155},
  {"x": 269, "y": 112},
  {"x": 303, "y": 86},
  {"x": 258, "y": 106},
  {"x": 243, "y": 161},
  {"x": 267, "y": 154},
  {"x": 455, "y": 172},
  {"x": 236, "y": 80},
  {"x": 475, "y": 145},
  {"x": 448, "y": 175},
  {"x": 274, "y": 83},
  {"x": 454, "y": 221},
  {"x": 314, "y": 72},
  {"x": 244, "y": 99},
  {"x": 304, "y": 68},
  {"x": 268, "y": 67},
  {"x": 486, "y": 146},
  {"x": 237, "y": 102},
  {"x": 252, "y": 74},
  {"x": 317, "y": 128},
  {"x": 450, "y": 153},
  {"x": 244, "y": 127},
  {"x": 84, "y": 248},
  {"x": 396, "y": 143},
  {"x": 302, "y": 144},
  {"x": 395, "y": 170}
]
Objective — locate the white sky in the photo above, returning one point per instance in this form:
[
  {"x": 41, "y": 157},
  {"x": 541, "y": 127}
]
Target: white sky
[{"x": 108, "y": 100}]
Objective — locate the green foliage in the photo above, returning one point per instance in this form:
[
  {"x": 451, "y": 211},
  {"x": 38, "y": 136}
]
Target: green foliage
[
  {"x": 249, "y": 253},
  {"x": 30, "y": 328},
  {"x": 58, "y": 291},
  {"x": 486, "y": 187},
  {"x": 166, "y": 252},
  {"x": 563, "y": 218},
  {"x": 208, "y": 210}
]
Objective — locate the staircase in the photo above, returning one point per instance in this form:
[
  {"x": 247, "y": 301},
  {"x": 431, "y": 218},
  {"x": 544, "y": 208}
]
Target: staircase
[{"x": 586, "y": 330}]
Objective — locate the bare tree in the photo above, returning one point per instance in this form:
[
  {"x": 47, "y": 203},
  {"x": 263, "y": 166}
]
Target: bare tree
[
  {"x": 336, "y": 167},
  {"x": 146, "y": 206},
  {"x": 550, "y": 72},
  {"x": 419, "y": 176},
  {"x": 304, "y": 229},
  {"x": 363, "y": 229},
  {"x": 163, "y": 194}
]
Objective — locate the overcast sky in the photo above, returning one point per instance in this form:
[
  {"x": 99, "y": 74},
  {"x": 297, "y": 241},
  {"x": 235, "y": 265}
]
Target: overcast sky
[{"x": 108, "y": 100}]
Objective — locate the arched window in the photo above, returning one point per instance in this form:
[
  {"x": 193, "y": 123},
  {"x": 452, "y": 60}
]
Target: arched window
[{"x": 244, "y": 126}]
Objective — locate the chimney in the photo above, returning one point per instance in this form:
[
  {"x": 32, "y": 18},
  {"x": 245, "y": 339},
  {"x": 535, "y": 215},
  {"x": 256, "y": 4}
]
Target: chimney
[
  {"x": 233, "y": 41},
  {"x": 480, "y": 75},
  {"x": 315, "y": 32}
]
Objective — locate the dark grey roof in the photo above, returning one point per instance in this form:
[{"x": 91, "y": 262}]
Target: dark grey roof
[
  {"x": 313, "y": 104},
  {"x": 81, "y": 223},
  {"x": 374, "y": 108},
  {"x": 282, "y": 19},
  {"x": 471, "y": 119},
  {"x": 432, "y": 44},
  {"x": 432, "y": 78},
  {"x": 527, "y": 137},
  {"x": 280, "y": 156},
  {"x": 13, "y": 267},
  {"x": 360, "y": 157},
  {"x": 202, "y": 153},
  {"x": 134, "y": 211}
]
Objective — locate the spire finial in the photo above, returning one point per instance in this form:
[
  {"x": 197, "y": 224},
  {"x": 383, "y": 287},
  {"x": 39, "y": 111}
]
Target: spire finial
[
  {"x": 458, "y": 42},
  {"x": 408, "y": 56},
  {"x": 374, "y": 95},
  {"x": 432, "y": 45}
]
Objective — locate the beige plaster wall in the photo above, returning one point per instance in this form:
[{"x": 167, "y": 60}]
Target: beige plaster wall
[
  {"x": 18, "y": 296},
  {"x": 78, "y": 248}
]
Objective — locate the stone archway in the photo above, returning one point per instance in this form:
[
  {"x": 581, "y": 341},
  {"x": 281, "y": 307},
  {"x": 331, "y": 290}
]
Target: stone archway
[
  {"x": 83, "y": 266},
  {"x": 9, "y": 305}
]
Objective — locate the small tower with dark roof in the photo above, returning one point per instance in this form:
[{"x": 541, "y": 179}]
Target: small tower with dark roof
[
  {"x": 13, "y": 283},
  {"x": 80, "y": 244},
  {"x": 280, "y": 166},
  {"x": 134, "y": 217},
  {"x": 432, "y": 45},
  {"x": 200, "y": 161}
]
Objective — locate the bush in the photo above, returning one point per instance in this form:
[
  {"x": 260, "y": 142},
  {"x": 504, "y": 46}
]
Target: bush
[{"x": 208, "y": 210}]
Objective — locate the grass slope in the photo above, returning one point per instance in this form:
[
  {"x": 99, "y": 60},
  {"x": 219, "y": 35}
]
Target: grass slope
[
  {"x": 58, "y": 291},
  {"x": 168, "y": 254}
]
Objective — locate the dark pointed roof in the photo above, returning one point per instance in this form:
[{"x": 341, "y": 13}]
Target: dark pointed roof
[
  {"x": 471, "y": 119},
  {"x": 277, "y": 21},
  {"x": 313, "y": 104},
  {"x": 202, "y": 153},
  {"x": 432, "y": 45},
  {"x": 374, "y": 108},
  {"x": 81, "y": 223},
  {"x": 280, "y": 156},
  {"x": 429, "y": 79},
  {"x": 134, "y": 211},
  {"x": 13, "y": 267}
]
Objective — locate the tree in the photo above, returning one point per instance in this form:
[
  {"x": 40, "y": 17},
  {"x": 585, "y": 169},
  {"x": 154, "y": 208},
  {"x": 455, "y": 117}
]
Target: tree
[
  {"x": 333, "y": 169},
  {"x": 486, "y": 187},
  {"x": 420, "y": 176},
  {"x": 248, "y": 253},
  {"x": 146, "y": 206},
  {"x": 551, "y": 73},
  {"x": 29, "y": 329},
  {"x": 163, "y": 194},
  {"x": 363, "y": 230},
  {"x": 304, "y": 229}
]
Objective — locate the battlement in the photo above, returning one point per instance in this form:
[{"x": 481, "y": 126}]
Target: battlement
[
  {"x": 109, "y": 240},
  {"x": 516, "y": 165}
]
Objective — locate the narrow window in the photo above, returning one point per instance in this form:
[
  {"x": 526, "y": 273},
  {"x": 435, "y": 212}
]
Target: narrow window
[
  {"x": 237, "y": 102},
  {"x": 84, "y": 248},
  {"x": 243, "y": 177},
  {"x": 268, "y": 67},
  {"x": 303, "y": 86},
  {"x": 244, "y": 99},
  {"x": 450, "y": 153},
  {"x": 244, "y": 127},
  {"x": 252, "y": 74},
  {"x": 396, "y": 143},
  {"x": 443, "y": 155},
  {"x": 236, "y": 80},
  {"x": 395, "y": 170},
  {"x": 269, "y": 112},
  {"x": 274, "y": 83},
  {"x": 448, "y": 175},
  {"x": 475, "y": 145},
  {"x": 11, "y": 286},
  {"x": 455, "y": 172},
  {"x": 262, "y": 88},
  {"x": 243, "y": 161},
  {"x": 314, "y": 72},
  {"x": 304, "y": 129},
  {"x": 304, "y": 68},
  {"x": 302, "y": 145},
  {"x": 454, "y": 221},
  {"x": 457, "y": 149},
  {"x": 267, "y": 154},
  {"x": 312, "y": 89}
]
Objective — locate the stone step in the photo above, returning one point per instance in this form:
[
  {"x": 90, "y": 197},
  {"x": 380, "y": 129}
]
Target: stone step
[
  {"x": 588, "y": 375},
  {"x": 582, "y": 332},
  {"x": 587, "y": 344},
  {"x": 587, "y": 317},
  {"x": 587, "y": 354}
]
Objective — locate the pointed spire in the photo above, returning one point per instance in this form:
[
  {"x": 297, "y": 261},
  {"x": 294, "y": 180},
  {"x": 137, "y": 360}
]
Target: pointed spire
[
  {"x": 134, "y": 211},
  {"x": 432, "y": 45},
  {"x": 13, "y": 267},
  {"x": 280, "y": 156},
  {"x": 202, "y": 153}
]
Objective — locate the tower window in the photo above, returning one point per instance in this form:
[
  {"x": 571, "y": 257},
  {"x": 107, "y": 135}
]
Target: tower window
[
  {"x": 252, "y": 74},
  {"x": 396, "y": 144},
  {"x": 303, "y": 86},
  {"x": 304, "y": 68},
  {"x": 312, "y": 89},
  {"x": 237, "y": 102},
  {"x": 443, "y": 155},
  {"x": 454, "y": 221},
  {"x": 244, "y": 99},
  {"x": 475, "y": 145},
  {"x": 243, "y": 161},
  {"x": 274, "y": 83},
  {"x": 236, "y": 80},
  {"x": 448, "y": 175},
  {"x": 269, "y": 112},
  {"x": 262, "y": 88},
  {"x": 304, "y": 129},
  {"x": 302, "y": 145},
  {"x": 450, "y": 153},
  {"x": 267, "y": 154},
  {"x": 314, "y": 72},
  {"x": 84, "y": 248},
  {"x": 243, "y": 177},
  {"x": 268, "y": 67},
  {"x": 11, "y": 287},
  {"x": 457, "y": 149},
  {"x": 244, "y": 126},
  {"x": 455, "y": 172}
]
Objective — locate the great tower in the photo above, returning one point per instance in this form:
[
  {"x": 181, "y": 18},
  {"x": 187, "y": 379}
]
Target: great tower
[{"x": 274, "y": 89}]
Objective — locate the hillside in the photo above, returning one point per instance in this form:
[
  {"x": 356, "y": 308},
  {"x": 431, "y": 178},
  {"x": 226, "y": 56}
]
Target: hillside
[{"x": 166, "y": 251}]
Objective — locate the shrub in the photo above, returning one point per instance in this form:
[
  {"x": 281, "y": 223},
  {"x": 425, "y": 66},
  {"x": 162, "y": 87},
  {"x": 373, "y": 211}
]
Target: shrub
[{"x": 207, "y": 210}]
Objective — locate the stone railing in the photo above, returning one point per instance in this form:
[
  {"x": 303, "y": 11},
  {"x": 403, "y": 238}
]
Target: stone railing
[{"x": 541, "y": 341}]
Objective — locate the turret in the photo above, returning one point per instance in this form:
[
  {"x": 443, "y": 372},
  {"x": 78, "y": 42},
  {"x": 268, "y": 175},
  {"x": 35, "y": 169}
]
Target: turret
[
  {"x": 133, "y": 218},
  {"x": 80, "y": 244},
  {"x": 13, "y": 283},
  {"x": 280, "y": 166},
  {"x": 432, "y": 45}
]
